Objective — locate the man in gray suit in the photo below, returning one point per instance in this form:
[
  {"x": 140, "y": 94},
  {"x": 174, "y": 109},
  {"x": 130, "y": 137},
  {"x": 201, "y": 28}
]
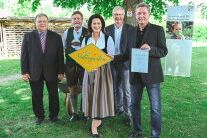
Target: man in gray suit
[{"x": 120, "y": 31}]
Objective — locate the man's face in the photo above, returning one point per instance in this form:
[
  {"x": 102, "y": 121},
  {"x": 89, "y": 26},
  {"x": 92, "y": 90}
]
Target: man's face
[
  {"x": 77, "y": 21},
  {"x": 142, "y": 15},
  {"x": 118, "y": 16},
  {"x": 177, "y": 29},
  {"x": 42, "y": 23}
]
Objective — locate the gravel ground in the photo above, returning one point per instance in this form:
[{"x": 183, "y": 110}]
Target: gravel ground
[{"x": 11, "y": 77}]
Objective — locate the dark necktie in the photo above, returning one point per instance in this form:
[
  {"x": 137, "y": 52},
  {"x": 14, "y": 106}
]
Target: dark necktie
[{"x": 42, "y": 40}]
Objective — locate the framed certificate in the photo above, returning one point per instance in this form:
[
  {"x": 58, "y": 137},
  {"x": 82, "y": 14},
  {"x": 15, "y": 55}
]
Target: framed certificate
[{"x": 139, "y": 60}]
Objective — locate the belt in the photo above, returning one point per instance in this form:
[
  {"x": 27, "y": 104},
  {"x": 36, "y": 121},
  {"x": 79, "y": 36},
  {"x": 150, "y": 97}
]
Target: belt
[{"x": 76, "y": 44}]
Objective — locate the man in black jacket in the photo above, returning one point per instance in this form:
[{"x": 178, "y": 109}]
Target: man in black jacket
[
  {"x": 150, "y": 37},
  {"x": 42, "y": 60}
]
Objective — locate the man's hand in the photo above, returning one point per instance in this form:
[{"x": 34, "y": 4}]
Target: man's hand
[
  {"x": 26, "y": 77},
  {"x": 111, "y": 56},
  {"x": 60, "y": 76},
  {"x": 145, "y": 47}
]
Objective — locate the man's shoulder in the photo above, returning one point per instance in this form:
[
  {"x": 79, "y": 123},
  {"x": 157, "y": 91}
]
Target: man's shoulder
[
  {"x": 155, "y": 26},
  {"x": 53, "y": 33},
  {"x": 110, "y": 26},
  {"x": 128, "y": 25}
]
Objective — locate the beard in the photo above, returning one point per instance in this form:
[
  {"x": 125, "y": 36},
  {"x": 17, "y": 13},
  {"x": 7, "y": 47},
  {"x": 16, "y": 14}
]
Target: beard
[{"x": 77, "y": 26}]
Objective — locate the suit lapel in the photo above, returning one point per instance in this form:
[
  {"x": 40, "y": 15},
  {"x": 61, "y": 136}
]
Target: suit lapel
[
  {"x": 112, "y": 32},
  {"x": 123, "y": 37},
  {"x": 47, "y": 40},
  {"x": 38, "y": 39}
]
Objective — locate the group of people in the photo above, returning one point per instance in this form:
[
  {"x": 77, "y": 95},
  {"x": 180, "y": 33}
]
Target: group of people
[{"x": 107, "y": 91}]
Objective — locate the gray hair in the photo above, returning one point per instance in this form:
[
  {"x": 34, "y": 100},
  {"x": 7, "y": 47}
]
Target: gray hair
[
  {"x": 142, "y": 4},
  {"x": 118, "y": 8},
  {"x": 40, "y": 15}
]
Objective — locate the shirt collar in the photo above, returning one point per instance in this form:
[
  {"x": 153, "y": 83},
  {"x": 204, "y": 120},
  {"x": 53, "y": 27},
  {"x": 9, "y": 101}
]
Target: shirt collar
[
  {"x": 43, "y": 33},
  {"x": 80, "y": 30},
  {"x": 119, "y": 27}
]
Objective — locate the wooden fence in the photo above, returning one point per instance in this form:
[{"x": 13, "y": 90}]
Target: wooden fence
[{"x": 12, "y": 30}]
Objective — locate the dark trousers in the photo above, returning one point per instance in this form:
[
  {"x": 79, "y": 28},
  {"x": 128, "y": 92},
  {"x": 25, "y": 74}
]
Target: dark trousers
[{"x": 37, "y": 88}]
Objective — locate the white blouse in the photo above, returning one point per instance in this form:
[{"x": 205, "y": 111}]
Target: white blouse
[{"x": 101, "y": 43}]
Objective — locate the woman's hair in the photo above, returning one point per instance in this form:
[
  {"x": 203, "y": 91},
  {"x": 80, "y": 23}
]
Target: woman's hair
[{"x": 90, "y": 30}]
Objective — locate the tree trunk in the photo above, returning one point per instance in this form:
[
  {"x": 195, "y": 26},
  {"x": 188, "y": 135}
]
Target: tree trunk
[{"x": 129, "y": 6}]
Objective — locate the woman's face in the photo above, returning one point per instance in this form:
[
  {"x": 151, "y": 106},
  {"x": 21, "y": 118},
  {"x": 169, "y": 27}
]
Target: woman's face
[{"x": 96, "y": 25}]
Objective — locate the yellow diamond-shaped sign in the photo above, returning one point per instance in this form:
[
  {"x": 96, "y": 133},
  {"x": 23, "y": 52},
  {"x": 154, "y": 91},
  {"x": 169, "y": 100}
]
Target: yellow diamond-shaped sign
[{"x": 90, "y": 57}]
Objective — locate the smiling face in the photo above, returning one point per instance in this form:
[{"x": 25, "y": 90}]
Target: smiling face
[
  {"x": 118, "y": 16},
  {"x": 77, "y": 21},
  {"x": 142, "y": 15},
  {"x": 41, "y": 23},
  {"x": 96, "y": 25}
]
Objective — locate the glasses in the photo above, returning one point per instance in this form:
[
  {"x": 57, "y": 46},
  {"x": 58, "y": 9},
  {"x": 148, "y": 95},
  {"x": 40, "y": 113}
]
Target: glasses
[{"x": 118, "y": 14}]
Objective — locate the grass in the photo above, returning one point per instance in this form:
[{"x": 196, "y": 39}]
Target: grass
[{"x": 184, "y": 108}]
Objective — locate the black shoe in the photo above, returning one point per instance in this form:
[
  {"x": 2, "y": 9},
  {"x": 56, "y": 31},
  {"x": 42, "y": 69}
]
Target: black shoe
[
  {"x": 54, "y": 119},
  {"x": 118, "y": 112},
  {"x": 38, "y": 121},
  {"x": 128, "y": 121},
  {"x": 135, "y": 135},
  {"x": 94, "y": 135},
  {"x": 85, "y": 119},
  {"x": 74, "y": 117}
]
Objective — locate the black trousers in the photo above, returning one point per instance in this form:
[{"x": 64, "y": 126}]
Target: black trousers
[{"x": 37, "y": 88}]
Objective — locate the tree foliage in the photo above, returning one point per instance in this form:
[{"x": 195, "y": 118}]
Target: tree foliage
[{"x": 104, "y": 7}]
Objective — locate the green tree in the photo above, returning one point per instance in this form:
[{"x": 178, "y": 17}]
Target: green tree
[{"x": 104, "y": 7}]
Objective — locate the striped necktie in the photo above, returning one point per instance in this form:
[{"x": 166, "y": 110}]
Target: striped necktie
[{"x": 42, "y": 40}]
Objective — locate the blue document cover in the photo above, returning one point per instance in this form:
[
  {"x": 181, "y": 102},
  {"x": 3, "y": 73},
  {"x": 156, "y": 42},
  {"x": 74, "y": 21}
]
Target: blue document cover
[{"x": 139, "y": 60}]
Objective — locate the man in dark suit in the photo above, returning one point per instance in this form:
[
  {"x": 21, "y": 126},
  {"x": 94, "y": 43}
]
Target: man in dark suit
[
  {"x": 120, "y": 31},
  {"x": 150, "y": 37},
  {"x": 72, "y": 39},
  {"x": 42, "y": 60}
]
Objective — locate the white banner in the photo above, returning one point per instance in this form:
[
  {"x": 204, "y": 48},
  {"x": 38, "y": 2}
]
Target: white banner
[{"x": 179, "y": 33}]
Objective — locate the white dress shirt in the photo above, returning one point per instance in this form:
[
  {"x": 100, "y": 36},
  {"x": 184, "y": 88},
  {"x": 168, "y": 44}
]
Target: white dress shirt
[{"x": 117, "y": 34}]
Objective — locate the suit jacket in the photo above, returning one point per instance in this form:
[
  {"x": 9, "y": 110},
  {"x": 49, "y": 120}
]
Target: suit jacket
[
  {"x": 126, "y": 30},
  {"x": 35, "y": 62},
  {"x": 155, "y": 37}
]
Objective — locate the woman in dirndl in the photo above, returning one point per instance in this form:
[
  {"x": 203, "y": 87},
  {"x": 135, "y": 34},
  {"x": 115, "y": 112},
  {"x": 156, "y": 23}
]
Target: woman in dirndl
[{"x": 97, "y": 88}]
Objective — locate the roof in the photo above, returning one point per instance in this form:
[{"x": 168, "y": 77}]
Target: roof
[{"x": 3, "y": 13}]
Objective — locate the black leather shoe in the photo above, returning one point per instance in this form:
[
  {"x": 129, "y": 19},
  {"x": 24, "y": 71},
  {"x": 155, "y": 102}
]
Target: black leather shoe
[
  {"x": 85, "y": 119},
  {"x": 135, "y": 135},
  {"x": 54, "y": 119},
  {"x": 94, "y": 135},
  {"x": 128, "y": 121},
  {"x": 74, "y": 117},
  {"x": 38, "y": 121}
]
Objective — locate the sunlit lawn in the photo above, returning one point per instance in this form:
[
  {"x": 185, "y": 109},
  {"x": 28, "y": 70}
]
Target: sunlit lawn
[{"x": 184, "y": 108}]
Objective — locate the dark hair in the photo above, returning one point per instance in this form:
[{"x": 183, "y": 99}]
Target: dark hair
[
  {"x": 142, "y": 4},
  {"x": 77, "y": 12},
  {"x": 90, "y": 22},
  {"x": 40, "y": 15}
]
